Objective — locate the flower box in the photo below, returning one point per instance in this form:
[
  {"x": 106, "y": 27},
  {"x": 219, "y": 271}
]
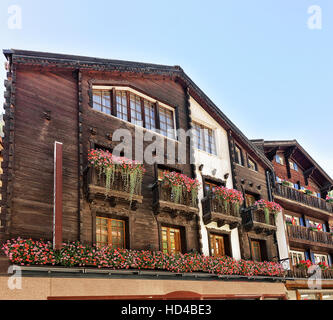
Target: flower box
[{"x": 75, "y": 254}]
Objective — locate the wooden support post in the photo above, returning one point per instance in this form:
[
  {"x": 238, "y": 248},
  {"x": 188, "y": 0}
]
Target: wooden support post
[{"x": 57, "y": 205}]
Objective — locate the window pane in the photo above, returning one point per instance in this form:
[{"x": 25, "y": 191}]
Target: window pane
[
  {"x": 121, "y": 100},
  {"x": 102, "y": 101},
  {"x": 149, "y": 115},
  {"x": 166, "y": 122},
  {"x": 135, "y": 105}
]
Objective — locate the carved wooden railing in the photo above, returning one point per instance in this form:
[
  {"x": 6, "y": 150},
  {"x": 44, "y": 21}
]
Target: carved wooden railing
[
  {"x": 255, "y": 218},
  {"x": 96, "y": 185},
  {"x": 214, "y": 210},
  {"x": 304, "y": 233},
  {"x": 164, "y": 198},
  {"x": 299, "y": 196},
  {"x": 295, "y": 272}
]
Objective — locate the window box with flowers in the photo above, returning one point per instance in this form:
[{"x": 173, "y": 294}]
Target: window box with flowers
[
  {"x": 176, "y": 192},
  {"x": 40, "y": 253},
  {"x": 287, "y": 184},
  {"x": 269, "y": 208},
  {"x": 114, "y": 177},
  {"x": 222, "y": 206}
]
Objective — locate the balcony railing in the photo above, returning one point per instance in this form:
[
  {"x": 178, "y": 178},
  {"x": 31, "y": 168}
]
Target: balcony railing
[
  {"x": 295, "y": 272},
  {"x": 299, "y": 196},
  {"x": 163, "y": 199},
  {"x": 304, "y": 233},
  {"x": 96, "y": 187},
  {"x": 255, "y": 219},
  {"x": 222, "y": 213}
]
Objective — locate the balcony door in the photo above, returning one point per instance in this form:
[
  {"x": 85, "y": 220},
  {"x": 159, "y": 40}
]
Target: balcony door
[
  {"x": 250, "y": 199},
  {"x": 258, "y": 250},
  {"x": 110, "y": 232},
  {"x": 171, "y": 240},
  {"x": 217, "y": 245}
]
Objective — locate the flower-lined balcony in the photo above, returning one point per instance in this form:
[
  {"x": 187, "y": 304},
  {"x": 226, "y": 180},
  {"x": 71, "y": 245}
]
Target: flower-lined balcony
[
  {"x": 261, "y": 217},
  {"x": 114, "y": 178},
  {"x": 309, "y": 236},
  {"x": 303, "y": 196},
  {"x": 305, "y": 269},
  {"x": 176, "y": 193},
  {"x": 222, "y": 206},
  {"x": 41, "y": 253}
]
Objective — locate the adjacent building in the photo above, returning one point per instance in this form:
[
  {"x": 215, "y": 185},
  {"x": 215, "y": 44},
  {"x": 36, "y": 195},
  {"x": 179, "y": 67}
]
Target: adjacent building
[{"x": 301, "y": 187}]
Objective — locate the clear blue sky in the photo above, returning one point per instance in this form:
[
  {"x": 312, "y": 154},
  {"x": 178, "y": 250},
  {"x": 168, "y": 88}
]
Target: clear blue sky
[{"x": 257, "y": 60}]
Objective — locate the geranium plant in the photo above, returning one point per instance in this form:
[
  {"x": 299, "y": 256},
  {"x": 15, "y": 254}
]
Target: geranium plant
[
  {"x": 287, "y": 183},
  {"x": 181, "y": 185},
  {"x": 75, "y": 254},
  {"x": 131, "y": 172},
  {"x": 227, "y": 197},
  {"x": 304, "y": 264},
  {"x": 268, "y": 207},
  {"x": 329, "y": 197}
]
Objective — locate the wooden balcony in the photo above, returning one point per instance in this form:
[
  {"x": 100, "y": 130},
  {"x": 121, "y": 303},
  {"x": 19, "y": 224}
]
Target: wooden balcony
[
  {"x": 301, "y": 197},
  {"x": 310, "y": 237},
  {"x": 254, "y": 219},
  {"x": 298, "y": 273},
  {"x": 214, "y": 211},
  {"x": 163, "y": 200},
  {"x": 95, "y": 188}
]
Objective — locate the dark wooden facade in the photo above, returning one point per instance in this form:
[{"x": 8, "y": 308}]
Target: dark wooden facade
[
  {"x": 49, "y": 98},
  {"x": 48, "y": 102},
  {"x": 305, "y": 208},
  {"x": 254, "y": 183}
]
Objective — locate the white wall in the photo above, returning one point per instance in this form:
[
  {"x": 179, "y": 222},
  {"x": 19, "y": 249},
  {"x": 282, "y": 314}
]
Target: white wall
[{"x": 220, "y": 162}]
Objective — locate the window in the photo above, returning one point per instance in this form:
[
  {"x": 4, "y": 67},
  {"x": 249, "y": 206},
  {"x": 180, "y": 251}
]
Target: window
[
  {"x": 296, "y": 257},
  {"x": 249, "y": 199},
  {"x": 256, "y": 250},
  {"x": 136, "y": 112},
  {"x": 102, "y": 101},
  {"x": 209, "y": 186},
  {"x": 292, "y": 220},
  {"x": 219, "y": 245},
  {"x": 171, "y": 240},
  {"x": 279, "y": 180},
  {"x": 239, "y": 155},
  {"x": 166, "y": 122},
  {"x": 150, "y": 115},
  {"x": 110, "y": 232},
  {"x": 296, "y": 186},
  {"x": 139, "y": 111},
  {"x": 204, "y": 138},
  {"x": 279, "y": 159},
  {"x": 251, "y": 164},
  {"x": 121, "y": 101},
  {"x": 321, "y": 258},
  {"x": 293, "y": 165}
]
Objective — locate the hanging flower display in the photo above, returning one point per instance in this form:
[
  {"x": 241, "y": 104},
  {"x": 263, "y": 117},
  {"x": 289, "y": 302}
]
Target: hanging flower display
[
  {"x": 227, "y": 197},
  {"x": 129, "y": 171},
  {"x": 74, "y": 254},
  {"x": 268, "y": 207},
  {"x": 181, "y": 185}
]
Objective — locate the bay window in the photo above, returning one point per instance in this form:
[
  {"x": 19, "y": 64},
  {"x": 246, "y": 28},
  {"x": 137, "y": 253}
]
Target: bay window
[{"x": 140, "y": 111}]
